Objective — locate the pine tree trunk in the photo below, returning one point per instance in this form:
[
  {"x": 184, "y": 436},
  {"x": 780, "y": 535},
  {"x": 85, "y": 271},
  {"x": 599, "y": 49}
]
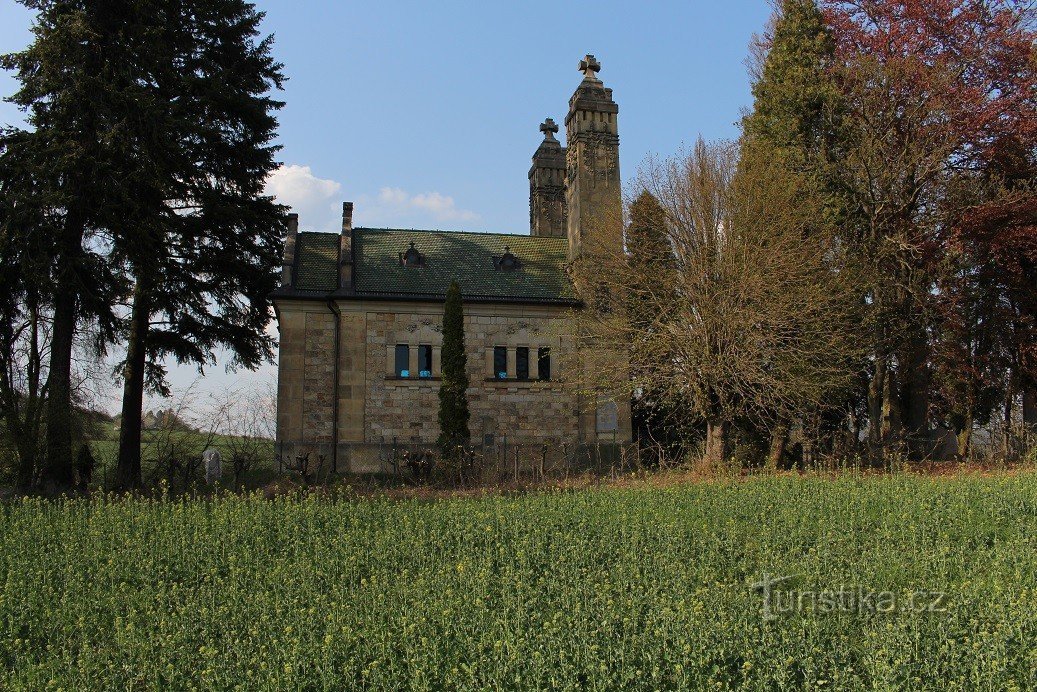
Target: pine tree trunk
[
  {"x": 57, "y": 472},
  {"x": 29, "y": 458},
  {"x": 717, "y": 434},
  {"x": 128, "y": 471}
]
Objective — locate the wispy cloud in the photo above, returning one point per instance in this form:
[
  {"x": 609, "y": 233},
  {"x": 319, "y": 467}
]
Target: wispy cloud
[
  {"x": 318, "y": 201},
  {"x": 397, "y": 206}
]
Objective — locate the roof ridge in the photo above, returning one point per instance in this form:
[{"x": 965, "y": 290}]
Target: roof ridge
[{"x": 437, "y": 230}]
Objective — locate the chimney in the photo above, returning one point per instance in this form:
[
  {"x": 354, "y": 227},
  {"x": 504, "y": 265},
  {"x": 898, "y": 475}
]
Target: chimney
[
  {"x": 288, "y": 269},
  {"x": 345, "y": 248}
]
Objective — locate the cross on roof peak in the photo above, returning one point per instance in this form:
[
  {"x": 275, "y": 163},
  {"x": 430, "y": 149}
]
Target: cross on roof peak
[
  {"x": 549, "y": 128},
  {"x": 589, "y": 66}
]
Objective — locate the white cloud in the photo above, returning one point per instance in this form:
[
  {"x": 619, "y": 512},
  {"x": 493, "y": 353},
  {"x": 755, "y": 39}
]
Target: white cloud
[
  {"x": 318, "y": 201},
  {"x": 315, "y": 200},
  {"x": 397, "y": 206},
  {"x": 392, "y": 196}
]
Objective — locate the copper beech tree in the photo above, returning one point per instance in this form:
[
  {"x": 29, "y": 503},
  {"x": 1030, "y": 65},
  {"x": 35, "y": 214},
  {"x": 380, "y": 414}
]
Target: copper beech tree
[
  {"x": 753, "y": 317},
  {"x": 928, "y": 89}
]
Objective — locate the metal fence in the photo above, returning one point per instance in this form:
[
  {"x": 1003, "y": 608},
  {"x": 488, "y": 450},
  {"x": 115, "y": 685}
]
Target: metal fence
[{"x": 522, "y": 463}]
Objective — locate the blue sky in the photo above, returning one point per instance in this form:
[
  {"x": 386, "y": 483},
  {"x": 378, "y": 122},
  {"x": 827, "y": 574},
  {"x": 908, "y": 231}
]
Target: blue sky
[{"x": 426, "y": 114}]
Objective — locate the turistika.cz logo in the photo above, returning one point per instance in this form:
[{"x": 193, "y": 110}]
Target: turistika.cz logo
[{"x": 781, "y": 595}]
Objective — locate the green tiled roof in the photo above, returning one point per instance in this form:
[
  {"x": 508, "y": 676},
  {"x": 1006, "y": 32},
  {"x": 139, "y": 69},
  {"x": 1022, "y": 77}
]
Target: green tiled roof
[
  {"x": 448, "y": 255},
  {"x": 316, "y": 266}
]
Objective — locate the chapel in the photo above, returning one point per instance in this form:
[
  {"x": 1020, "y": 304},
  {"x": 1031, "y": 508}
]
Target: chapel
[{"x": 360, "y": 314}]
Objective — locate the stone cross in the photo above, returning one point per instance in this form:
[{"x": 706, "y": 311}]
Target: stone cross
[
  {"x": 549, "y": 128},
  {"x": 213, "y": 467},
  {"x": 589, "y": 66}
]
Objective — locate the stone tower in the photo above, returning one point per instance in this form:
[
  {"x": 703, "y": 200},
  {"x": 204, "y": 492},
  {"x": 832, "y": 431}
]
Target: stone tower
[
  {"x": 547, "y": 206},
  {"x": 593, "y": 194}
]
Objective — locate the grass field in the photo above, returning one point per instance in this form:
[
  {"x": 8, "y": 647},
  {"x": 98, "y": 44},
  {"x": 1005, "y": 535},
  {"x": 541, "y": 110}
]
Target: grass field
[{"x": 620, "y": 588}]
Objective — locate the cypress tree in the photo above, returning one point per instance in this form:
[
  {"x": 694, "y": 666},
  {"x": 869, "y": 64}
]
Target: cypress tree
[
  {"x": 453, "y": 391},
  {"x": 795, "y": 100},
  {"x": 650, "y": 257}
]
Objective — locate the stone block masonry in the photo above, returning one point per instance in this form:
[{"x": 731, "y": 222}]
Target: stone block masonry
[{"x": 406, "y": 410}]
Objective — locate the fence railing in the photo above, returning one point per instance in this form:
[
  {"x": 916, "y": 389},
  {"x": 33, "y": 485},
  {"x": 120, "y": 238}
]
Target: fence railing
[{"x": 505, "y": 462}]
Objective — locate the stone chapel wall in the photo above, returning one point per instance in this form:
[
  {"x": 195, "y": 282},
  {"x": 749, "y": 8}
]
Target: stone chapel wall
[{"x": 405, "y": 410}]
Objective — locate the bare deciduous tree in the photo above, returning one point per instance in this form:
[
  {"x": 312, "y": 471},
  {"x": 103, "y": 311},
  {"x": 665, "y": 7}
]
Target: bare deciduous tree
[{"x": 755, "y": 318}]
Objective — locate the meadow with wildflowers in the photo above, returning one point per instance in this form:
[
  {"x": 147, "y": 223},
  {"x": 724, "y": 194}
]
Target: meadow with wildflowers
[{"x": 614, "y": 588}]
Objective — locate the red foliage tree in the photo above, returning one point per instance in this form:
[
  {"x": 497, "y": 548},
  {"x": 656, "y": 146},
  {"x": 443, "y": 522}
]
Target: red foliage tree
[{"x": 933, "y": 89}]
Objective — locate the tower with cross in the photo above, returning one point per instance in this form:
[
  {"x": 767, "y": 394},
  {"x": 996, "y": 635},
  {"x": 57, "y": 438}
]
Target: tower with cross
[
  {"x": 590, "y": 67},
  {"x": 594, "y": 198},
  {"x": 547, "y": 210}
]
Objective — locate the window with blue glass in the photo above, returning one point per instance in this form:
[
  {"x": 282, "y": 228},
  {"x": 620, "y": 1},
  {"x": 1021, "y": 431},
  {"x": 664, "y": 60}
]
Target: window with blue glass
[
  {"x": 424, "y": 361},
  {"x": 500, "y": 362},
  {"x": 402, "y": 360},
  {"x": 522, "y": 363}
]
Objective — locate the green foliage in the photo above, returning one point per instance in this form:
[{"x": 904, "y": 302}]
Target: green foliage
[
  {"x": 795, "y": 98},
  {"x": 647, "y": 241},
  {"x": 453, "y": 390},
  {"x": 79, "y": 176},
  {"x": 655, "y": 418},
  {"x": 633, "y": 589},
  {"x": 211, "y": 256},
  {"x": 152, "y": 137}
]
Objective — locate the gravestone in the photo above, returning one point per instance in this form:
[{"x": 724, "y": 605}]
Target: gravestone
[
  {"x": 608, "y": 417},
  {"x": 213, "y": 468}
]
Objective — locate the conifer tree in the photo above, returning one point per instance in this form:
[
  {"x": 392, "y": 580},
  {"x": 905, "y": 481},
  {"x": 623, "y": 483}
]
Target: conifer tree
[
  {"x": 453, "y": 391},
  {"x": 206, "y": 261},
  {"x": 79, "y": 88},
  {"x": 151, "y": 143},
  {"x": 795, "y": 101},
  {"x": 646, "y": 239},
  {"x": 795, "y": 118},
  {"x": 650, "y": 257}
]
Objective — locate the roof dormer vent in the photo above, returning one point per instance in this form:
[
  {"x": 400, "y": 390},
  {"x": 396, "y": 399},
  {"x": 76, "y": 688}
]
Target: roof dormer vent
[
  {"x": 412, "y": 257},
  {"x": 506, "y": 262}
]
